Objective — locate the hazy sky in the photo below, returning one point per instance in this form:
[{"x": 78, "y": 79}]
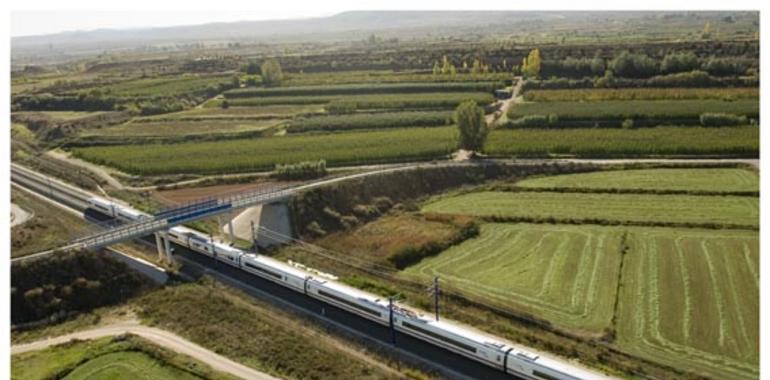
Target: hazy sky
[{"x": 24, "y": 23}]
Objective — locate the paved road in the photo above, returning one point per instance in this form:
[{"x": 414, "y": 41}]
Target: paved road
[{"x": 157, "y": 336}]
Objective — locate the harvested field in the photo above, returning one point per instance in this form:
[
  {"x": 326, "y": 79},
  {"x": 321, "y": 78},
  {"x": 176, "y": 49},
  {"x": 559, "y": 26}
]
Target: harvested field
[
  {"x": 567, "y": 274},
  {"x": 690, "y": 298}
]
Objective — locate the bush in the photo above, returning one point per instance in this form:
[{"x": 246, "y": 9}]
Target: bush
[
  {"x": 627, "y": 124},
  {"x": 710, "y": 119},
  {"x": 535, "y": 121},
  {"x": 69, "y": 283},
  {"x": 301, "y": 170}
]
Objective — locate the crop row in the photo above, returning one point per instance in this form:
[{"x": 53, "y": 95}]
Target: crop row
[
  {"x": 398, "y": 145},
  {"x": 384, "y": 76},
  {"x": 162, "y": 86},
  {"x": 602, "y": 94},
  {"x": 364, "y": 88},
  {"x": 372, "y": 121},
  {"x": 373, "y": 101},
  {"x": 636, "y": 109},
  {"x": 264, "y": 153},
  {"x": 592, "y": 142}
]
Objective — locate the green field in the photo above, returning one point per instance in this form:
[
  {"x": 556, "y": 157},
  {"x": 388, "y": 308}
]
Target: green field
[
  {"x": 396, "y": 145},
  {"x": 594, "y": 142},
  {"x": 162, "y": 86},
  {"x": 612, "y": 207},
  {"x": 720, "y": 179},
  {"x": 372, "y": 121},
  {"x": 108, "y": 358},
  {"x": 690, "y": 298},
  {"x": 566, "y": 274},
  {"x": 603, "y": 94},
  {"x": 264, "y": 153},
  {"x": 234, "y": 113},
  {"x": 621, "y": 109},
  {"x": 184, "y": 127}
]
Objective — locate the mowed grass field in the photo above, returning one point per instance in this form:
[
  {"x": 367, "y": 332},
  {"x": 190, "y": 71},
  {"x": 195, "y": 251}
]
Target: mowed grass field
[
  {"x": 565, "y": 274},
  {"x": 612, "y": 207},
  {"x": 717, "y": 180},
  {"x": 690, "y": 298},
  {"x": 109, "y": 358},
  {"x": 686, "y": 297}
]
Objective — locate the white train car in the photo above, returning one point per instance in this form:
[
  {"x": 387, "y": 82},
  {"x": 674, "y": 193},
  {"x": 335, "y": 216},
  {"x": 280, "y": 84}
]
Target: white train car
[
  {"x": 353, "y": 300},
  {"x": 275, "y": 271},
  {"x": 228, "y": 254}
]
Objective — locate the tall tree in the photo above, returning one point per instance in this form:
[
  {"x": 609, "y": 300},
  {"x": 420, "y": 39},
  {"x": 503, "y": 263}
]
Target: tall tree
[
  {"x": 530, "y": 66},
  {"x": 472, "y": 126},
  {"x": 272, "y": 75}
]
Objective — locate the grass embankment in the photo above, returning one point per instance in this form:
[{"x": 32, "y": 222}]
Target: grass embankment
[
  {"x": 711, "y": 180},
  {"x": 123, "y": 357},
  {"x": 398, "y": 145},
  {"x": 252, "y": 333},
  {"x": 48, "y": 228}
]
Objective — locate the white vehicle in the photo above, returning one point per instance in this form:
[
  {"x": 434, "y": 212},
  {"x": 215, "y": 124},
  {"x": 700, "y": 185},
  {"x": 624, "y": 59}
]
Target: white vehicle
[{"x": 453, "y": 337}]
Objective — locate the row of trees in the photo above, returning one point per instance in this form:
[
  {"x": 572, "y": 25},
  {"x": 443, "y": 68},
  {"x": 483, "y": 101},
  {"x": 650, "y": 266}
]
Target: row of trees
[{"x": 625, "y": 64}]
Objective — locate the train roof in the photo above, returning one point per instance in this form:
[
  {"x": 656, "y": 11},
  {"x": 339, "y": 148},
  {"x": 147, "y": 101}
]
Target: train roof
[
  {"x": 573, "y": 369},
  {"x": 277, "y": 264},
  {"x": 353, "y": 292},
  {"x": 466, "y": 332}
]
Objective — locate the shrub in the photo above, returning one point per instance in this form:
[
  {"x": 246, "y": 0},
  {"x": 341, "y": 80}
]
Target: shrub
[
  {"x": 301, "y": 170},
  {"x": 710, "y": 119},
  {"x": 628, "y": 124}
]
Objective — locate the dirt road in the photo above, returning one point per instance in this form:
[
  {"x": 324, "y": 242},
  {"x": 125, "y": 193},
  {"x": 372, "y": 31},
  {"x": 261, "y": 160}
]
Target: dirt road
[{"x": 157, "y": 336}]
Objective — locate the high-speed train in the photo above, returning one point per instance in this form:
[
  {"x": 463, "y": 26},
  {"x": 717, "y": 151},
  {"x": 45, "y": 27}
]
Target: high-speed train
[{"x": 461, "y": 340}]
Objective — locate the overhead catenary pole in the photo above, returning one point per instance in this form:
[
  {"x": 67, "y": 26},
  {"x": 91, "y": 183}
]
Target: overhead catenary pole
[
  {"x": 253, "y": 235},
  {"x": 435, "y": 295}
]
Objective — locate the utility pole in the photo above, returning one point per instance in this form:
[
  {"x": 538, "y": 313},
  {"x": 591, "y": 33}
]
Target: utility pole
[
  {"x": 434, "y": 290},
  {"x": 253, "y": 236}
]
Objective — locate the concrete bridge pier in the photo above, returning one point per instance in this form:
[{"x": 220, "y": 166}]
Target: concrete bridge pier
[{"x": 159, "y": 245}]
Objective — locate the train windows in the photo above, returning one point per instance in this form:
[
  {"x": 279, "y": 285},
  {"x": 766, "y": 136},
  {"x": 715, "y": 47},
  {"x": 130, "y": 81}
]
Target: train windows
[
  {"x": 440, "y": 337},
  {"x": 349, "y": 303},
  {"x": 265, "y": 271},
  {"x": 544, "y": 376}
]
